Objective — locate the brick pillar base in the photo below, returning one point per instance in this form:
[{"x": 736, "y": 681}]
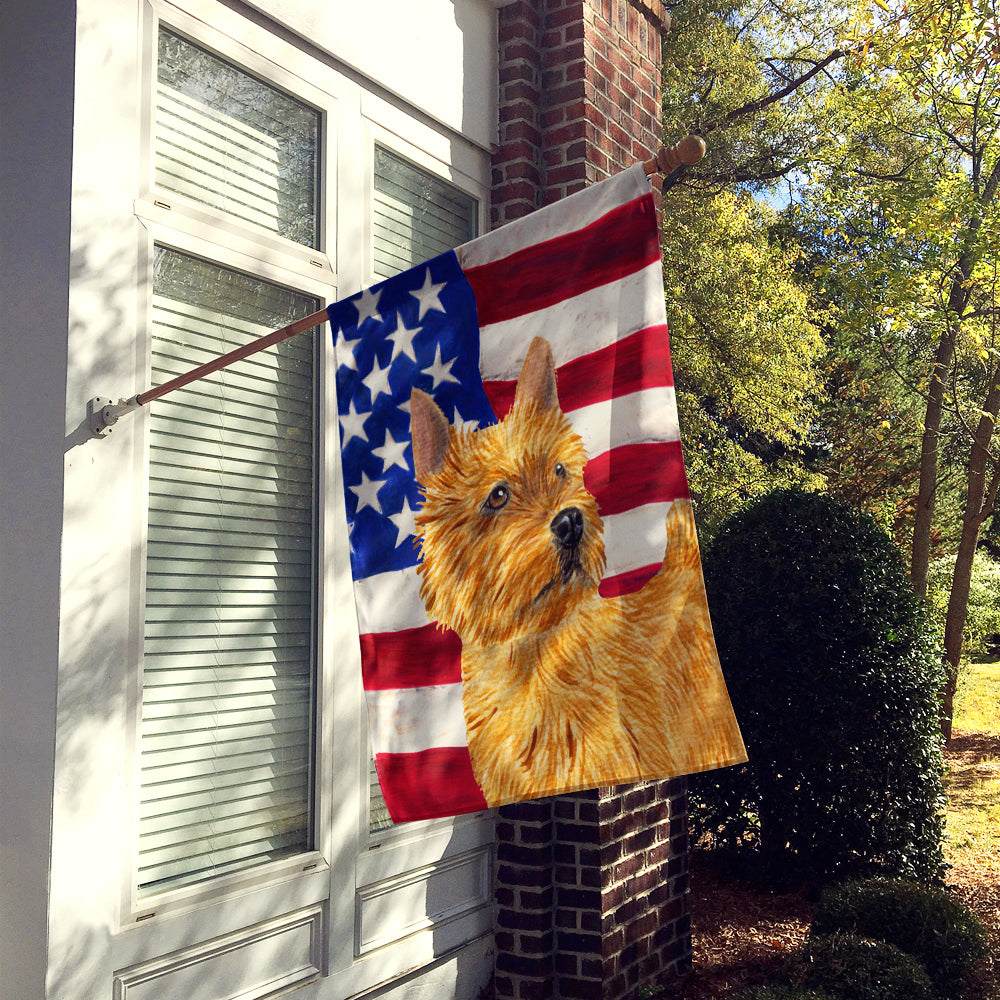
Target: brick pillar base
[{"x": 591, "y": 893}]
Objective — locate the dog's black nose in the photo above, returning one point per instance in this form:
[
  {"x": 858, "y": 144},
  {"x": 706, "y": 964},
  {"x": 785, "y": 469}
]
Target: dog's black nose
[{"x": 567, "y": 526}]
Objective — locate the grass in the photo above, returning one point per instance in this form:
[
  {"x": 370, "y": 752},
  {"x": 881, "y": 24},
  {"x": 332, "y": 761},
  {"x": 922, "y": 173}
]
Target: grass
[
  {"x": 972, "y": 847},
  {"x": 977, "y": 702},
  {"x": 973, "y": 782}
]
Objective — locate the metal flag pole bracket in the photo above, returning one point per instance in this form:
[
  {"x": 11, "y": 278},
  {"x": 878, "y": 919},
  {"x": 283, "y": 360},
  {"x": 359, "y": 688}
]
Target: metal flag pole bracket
[{"x": 103, "y": 413}]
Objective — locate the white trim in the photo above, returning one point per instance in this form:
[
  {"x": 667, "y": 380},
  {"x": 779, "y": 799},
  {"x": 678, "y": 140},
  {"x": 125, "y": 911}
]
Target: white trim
[{"x": 237, "y": 956}]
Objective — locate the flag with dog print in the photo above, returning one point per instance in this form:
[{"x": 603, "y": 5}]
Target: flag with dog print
[{"x": 527, "y": 580}]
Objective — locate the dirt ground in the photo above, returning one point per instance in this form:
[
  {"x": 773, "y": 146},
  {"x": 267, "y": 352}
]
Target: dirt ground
[{"x": 742, "y": 935}]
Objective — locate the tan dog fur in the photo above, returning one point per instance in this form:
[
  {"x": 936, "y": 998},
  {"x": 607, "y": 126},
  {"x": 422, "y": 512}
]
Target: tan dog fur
[{"x": 562, "y": 689}]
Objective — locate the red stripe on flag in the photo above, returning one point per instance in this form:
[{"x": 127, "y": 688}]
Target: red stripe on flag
[
  {"x": 619, "y": 243},
  {"x": 427, "y": 784},
  {"x": 636, "y": 474},
  {"x": 413, "y": 657},
  {"x": 627, "y": 583},
  {"x": 639, "y": 361}
]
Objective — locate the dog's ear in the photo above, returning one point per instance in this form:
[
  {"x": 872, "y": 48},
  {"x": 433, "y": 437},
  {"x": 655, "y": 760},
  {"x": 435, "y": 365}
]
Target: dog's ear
[
  {"x": 428, "y": 433},
  {"x": 537, "y": 381}
]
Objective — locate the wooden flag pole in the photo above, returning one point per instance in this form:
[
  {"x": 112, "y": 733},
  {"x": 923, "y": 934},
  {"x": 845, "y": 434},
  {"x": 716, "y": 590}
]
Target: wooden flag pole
[{"x": 103, "y": 413}]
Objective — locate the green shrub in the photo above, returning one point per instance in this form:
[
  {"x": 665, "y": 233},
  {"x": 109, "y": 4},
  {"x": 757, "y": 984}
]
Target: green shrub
[
  {"x": 833, "y": 673},
  {"x": 856, "y": 968},
  {"x": 925, "y": 922}
]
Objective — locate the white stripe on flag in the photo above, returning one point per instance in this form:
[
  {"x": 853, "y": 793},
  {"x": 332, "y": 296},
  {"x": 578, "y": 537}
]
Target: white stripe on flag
[
  {"x": 390, "y": 602},
  {"x": 647, "y": 415},
  {"x": 629, "y": 538},
  {"x": 408, "y": 720},
  {"x": 576, "y": 326},
  {"x": 560, "y": 218}
]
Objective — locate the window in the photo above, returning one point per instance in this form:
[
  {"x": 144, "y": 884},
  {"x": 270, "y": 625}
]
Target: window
[
  {"x": 228, "y": 140},
  {"x": 228, "y": 681},
  {"x": 416, "y": 215},
  {"x": 229, "y": 647},
  {"x": 210, "y": 825}
]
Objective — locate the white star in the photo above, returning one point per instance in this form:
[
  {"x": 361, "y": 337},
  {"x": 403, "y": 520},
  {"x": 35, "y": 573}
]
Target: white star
[
  {"x": 377, "y": 380},
  {"x": 427, "y": 296},
  {"x": 439, "y": 371},
  {"x": 367, "y": 306},
  {"x": 405, "y": 524},
  {"x": 391, "y": 452},
  {"x": 367, "y": 493},
  {"x": 402, "y": 341},
  {"x": 345, "y": 354},
  {"x": 353, "y": 424},
  {"x": 462, "y": 424}
]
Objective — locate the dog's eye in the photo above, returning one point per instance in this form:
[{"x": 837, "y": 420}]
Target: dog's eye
[
  {"x": 499, "y": 497},
  {"x": 560, "y": 470}
]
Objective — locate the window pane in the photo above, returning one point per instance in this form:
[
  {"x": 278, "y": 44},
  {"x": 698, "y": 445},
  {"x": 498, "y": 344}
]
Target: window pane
[
  {"x": 226, "y": 139},
  {"x": 228, "y": 665},
  {"x": 416, "y": 216}
]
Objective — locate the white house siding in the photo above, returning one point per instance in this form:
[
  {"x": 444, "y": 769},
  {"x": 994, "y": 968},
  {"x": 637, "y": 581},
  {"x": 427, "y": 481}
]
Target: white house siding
[
  {"x": 430, "y": 53},
  {"x": 36, "y": 112},
  {"x": 409, "y": 913}
]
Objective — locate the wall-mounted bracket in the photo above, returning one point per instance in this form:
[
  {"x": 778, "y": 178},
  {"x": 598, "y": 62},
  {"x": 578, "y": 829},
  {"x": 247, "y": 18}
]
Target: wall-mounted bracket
[{"x": 103, "y": 413}]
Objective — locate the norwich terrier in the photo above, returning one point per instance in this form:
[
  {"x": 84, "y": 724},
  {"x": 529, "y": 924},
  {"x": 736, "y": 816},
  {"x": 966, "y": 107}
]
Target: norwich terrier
[{"x": 561, "y": 689}]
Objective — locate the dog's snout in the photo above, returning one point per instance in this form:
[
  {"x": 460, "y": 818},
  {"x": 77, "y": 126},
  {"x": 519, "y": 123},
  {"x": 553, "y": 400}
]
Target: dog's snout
[{"x": 567, "y": 526}]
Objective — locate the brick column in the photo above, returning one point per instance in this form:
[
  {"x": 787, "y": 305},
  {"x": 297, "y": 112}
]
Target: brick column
[
  {"x": 591, "y": 893},
  {"x": 591, "y": 888},
  {"x": 579, "y": 96}
]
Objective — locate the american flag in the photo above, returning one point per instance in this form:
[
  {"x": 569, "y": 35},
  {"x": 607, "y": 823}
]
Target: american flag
[{"x": 585, "y": 274}]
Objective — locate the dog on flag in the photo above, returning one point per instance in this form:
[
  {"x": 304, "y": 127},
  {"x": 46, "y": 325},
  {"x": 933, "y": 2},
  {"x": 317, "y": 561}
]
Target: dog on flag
[{"x": 561, "y": 689}]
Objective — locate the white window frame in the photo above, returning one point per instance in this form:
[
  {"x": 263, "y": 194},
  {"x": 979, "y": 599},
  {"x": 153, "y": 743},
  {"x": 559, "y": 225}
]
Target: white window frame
[
  {"x": 347, "y": 875},
  {"x": 180, "y": 224}
]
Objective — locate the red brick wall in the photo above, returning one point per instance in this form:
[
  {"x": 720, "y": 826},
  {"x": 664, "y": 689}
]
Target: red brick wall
[
  {"x": 579, "y": 96},
  {"x": 591, "y": 893},
  {"x": 591, "y": 888}
]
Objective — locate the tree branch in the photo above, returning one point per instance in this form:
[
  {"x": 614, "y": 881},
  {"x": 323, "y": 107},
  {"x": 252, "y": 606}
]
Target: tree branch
[{"x": 753, "y": 107}]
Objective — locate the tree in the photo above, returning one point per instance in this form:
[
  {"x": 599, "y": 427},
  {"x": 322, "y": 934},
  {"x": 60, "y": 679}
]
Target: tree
[
  {"x": 913, "y": 184},
  {"x": 747, "y": 352},
  {"x": 747, "y": 356},
  {"x": 746, "y": 77},
  {"x": 881, "y": 119}
]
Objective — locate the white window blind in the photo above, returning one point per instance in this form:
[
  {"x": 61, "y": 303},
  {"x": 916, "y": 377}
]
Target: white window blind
[
  {"x": 416, "y": 216},
  {"x": 228, "y": 140},
  {"x": 228, "y": 686}
]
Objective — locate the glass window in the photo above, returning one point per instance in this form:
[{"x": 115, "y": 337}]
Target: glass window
[
  {"x": 416, "y": 215},
  {"x": 228, "y": 140},
  {"x": 228, "y": 679}
]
